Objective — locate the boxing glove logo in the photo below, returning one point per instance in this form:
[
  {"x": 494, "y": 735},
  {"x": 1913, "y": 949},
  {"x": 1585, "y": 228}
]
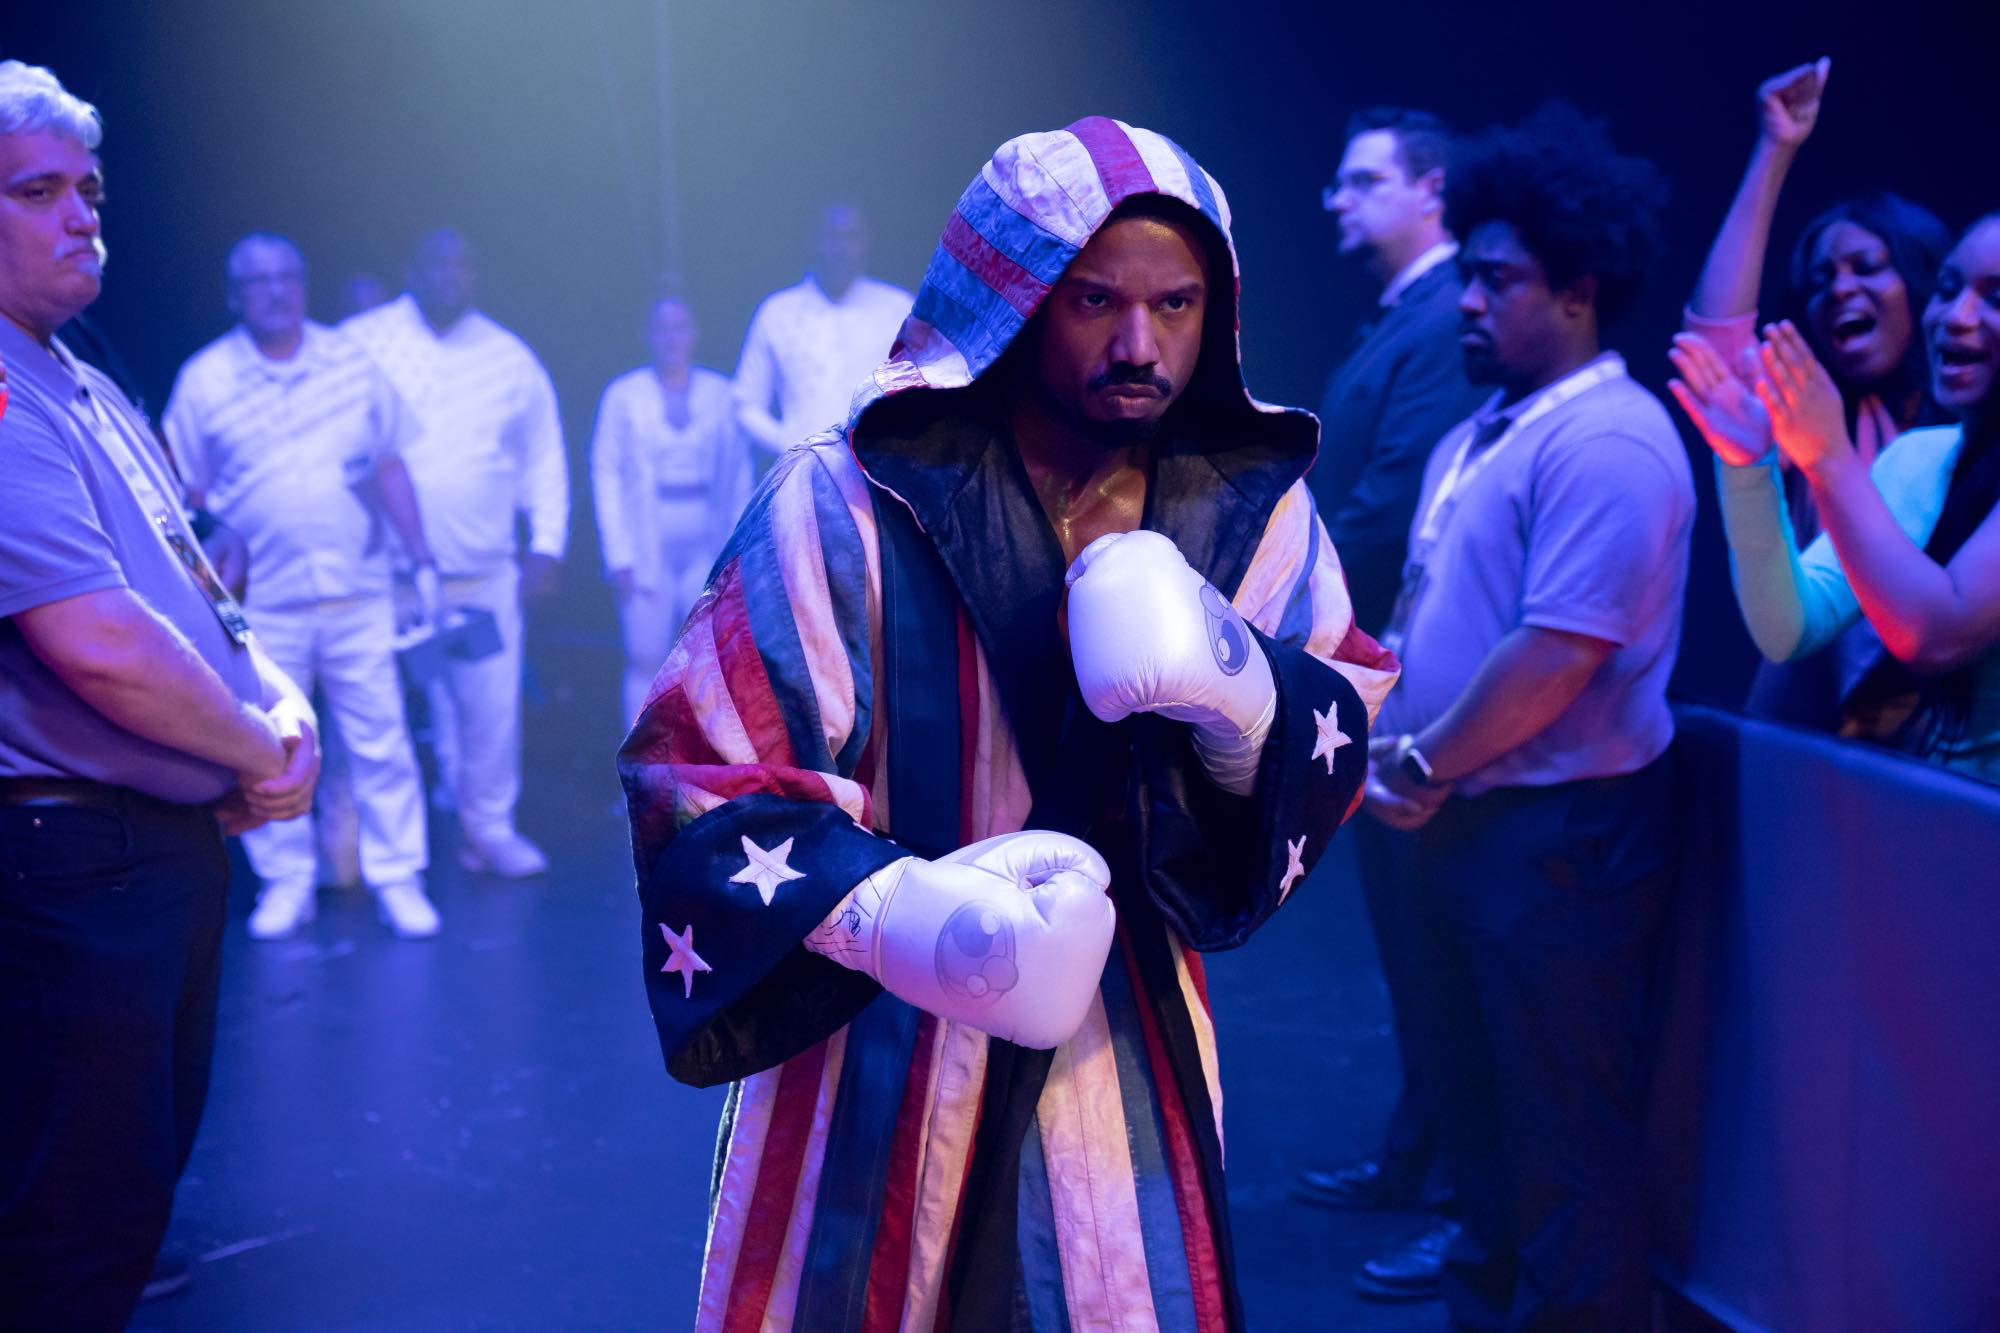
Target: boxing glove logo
[
  {"x": 1227, "y": 638},
  {"x": 976, "y": 960}
]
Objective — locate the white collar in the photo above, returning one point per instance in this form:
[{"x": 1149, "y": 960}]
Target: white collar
[{"x": 1415, "y": 269}]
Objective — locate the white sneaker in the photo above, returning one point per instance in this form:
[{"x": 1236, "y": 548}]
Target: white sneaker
[
  {"x": 405, "y": 910},
  {"x": 508, "y": 855},
  {"x": 281, "y": 909}
]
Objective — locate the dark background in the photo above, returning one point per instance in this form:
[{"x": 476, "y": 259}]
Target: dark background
[{"x": 585, "y": 167}]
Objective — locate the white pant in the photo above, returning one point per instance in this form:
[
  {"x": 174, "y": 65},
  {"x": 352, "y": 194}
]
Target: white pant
[
  {"x": 476, "y": 710},
  {"x": 347, "y": 648},
  {"x": 653, "y": 614}
]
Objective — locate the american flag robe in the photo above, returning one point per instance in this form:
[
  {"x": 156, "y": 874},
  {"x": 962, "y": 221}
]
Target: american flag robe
[{"x": 876, "y": 669}]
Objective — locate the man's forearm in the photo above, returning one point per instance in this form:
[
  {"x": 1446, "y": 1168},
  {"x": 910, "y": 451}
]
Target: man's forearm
[
  {"x": 1529, "y": 679},
  {"x": 117, "y": 655},
  {"x": 399, "y": 503}
]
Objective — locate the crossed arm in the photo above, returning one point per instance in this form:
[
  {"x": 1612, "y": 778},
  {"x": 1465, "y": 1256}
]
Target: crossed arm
[{"x": 122, "y": 658}]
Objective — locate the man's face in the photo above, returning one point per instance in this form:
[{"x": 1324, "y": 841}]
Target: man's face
[
  {"x": 1121, "y": 332},
  {"x": 671, "y": 333},
  {"x": 841, "y": 249},
  {"x": 1511, "y": 324},
  {"x": 51, "y": 256},
  {"x": 1376, "y": 203},
  {"x": 267, "y": 290},
  {"x": 442, "y": 277}
]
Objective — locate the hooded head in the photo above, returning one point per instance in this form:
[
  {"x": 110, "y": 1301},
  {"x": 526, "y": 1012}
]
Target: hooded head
[{"x": 1016, "y": 232}]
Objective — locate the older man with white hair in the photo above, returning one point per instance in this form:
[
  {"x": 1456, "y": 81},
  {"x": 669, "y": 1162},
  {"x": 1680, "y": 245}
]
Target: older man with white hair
[
  {"x": 288, "y": 431},
  {"x": 139, "y": 720}
]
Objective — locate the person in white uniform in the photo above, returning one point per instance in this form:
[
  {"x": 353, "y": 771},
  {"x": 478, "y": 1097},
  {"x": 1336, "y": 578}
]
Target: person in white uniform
[
  {"x": 490, "y": 448},
  {"x": 288, "y": 431},
  {"x": 810, "y": 344},
  {"x": 669, "y": 470}
]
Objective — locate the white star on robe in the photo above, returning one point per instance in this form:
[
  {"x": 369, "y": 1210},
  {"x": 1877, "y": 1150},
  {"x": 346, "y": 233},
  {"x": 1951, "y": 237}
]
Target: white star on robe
[
  {"x": 1331, "y": 737},
  {"x": 1294, "y": 865},
  {"x": 767, "y": 870},
  {"x": 682, "y": 958}
]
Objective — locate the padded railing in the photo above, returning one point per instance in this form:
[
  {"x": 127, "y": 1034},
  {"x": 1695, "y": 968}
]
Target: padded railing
[{"x": 1826, "y": 1097}]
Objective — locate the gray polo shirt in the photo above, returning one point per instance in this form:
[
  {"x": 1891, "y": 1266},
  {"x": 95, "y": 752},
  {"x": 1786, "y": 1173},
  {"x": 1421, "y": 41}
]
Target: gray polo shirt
[
  {"x": 72, "y": 524},
  {"x": 1581, "y": 523}
]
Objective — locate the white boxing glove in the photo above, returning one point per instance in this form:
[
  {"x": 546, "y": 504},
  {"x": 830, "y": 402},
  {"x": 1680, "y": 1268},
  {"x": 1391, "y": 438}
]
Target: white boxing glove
[
  {"x": 1008, "y": 935},
  {"x": 1150, "y": 635}
]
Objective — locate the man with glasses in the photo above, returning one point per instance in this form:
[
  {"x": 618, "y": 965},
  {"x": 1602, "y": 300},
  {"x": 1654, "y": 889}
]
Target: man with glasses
[
  {"x": 1401, "y": 385},
  {"x": 288, "y": 431}
]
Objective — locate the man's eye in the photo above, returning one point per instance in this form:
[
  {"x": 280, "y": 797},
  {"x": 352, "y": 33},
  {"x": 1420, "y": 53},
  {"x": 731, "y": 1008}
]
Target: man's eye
[
  {"x": 1094, "y": 300},
  {"x": 1177, "y": 303}
]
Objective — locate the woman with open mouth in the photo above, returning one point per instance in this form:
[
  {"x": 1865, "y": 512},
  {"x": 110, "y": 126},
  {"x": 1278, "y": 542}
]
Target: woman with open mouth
[
  {"x": 1859, "y": 274},
  {"x": 1911, "y": 544}
]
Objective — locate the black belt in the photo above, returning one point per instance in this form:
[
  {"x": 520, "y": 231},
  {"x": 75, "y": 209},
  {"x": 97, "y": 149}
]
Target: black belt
[{"x": 82, "y": 792}]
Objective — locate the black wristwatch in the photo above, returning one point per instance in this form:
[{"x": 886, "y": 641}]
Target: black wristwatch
[{"x": 1411, "y": 760}]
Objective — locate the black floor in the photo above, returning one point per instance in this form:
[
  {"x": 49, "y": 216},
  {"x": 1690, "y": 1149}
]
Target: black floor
[{"x": 475, "y": 1132}]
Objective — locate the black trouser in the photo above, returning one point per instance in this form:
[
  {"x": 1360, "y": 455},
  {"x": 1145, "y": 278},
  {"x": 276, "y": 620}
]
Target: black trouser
[
  {"x": 111, "y": 920},
  {"x": 1538, "y": 911},
  {"x": 1409, "y": 1151}
]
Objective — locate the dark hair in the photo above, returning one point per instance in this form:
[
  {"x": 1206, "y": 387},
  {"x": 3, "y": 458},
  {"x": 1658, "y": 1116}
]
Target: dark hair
[
  {"x": 1917, "y": 244},
  {"x": 1423, "y": 141},
  {"x": 1578, "y": 206}
]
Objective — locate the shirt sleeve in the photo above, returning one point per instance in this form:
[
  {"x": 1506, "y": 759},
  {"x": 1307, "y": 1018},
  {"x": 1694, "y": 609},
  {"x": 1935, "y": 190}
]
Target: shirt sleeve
[
  {"x": 757, "y": 384},
  {"x": 182, "y": 423},
  {"x": 748, "y": 823},
  {"x": 396, "y": 427},
  {"x": 608, "y": 452},
  {"x": 1795, "y": 603},
  {"x": 544, "y": 493},
  {"x": 1605, "y": 511},
  {"x": 54, "y": 544},
  {"x": 1730, "y": 335}
]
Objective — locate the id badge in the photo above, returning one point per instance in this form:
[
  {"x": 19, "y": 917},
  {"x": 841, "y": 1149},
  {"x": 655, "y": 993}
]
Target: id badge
[
  {"x": 1406, "y": 602},
  {"x": 225, "y": 607}
]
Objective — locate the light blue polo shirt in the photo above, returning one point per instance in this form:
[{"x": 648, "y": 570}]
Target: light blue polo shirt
[
  {"x": 71, "y": 524},
  {"x": 1581, "y": 522}
]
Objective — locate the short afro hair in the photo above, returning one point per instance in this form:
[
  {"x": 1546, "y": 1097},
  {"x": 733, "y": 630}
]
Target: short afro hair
[{"x": 1578, "y": 205}]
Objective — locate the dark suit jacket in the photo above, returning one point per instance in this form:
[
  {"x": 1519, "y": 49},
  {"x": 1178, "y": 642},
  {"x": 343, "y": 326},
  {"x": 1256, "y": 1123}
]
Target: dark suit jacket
[{"x": 1397, "y": 393}]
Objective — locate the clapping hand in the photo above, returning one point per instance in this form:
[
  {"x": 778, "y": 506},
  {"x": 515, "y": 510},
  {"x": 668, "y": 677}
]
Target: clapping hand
[
  {"x": 1788, "y": 103},
  {"x": 1722, "y": 406},
  {"x": 1807, "y": 418}
]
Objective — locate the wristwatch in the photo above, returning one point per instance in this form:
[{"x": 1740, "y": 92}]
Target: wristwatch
[{"x": 1411, "y": 760}]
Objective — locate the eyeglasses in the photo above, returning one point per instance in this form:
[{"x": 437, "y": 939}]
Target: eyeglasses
[{"x": 1360, "y": 182}]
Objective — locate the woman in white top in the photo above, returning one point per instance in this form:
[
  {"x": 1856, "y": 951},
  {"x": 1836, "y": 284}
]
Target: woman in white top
[{"x": 669, "y": 470}]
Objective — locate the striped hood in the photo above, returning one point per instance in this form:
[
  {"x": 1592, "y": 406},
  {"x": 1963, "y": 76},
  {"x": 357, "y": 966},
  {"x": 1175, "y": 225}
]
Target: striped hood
[{"x": 1016, "y": 228}]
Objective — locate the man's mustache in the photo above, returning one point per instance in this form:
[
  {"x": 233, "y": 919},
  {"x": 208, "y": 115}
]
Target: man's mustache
[{"x": 1124, "y": 372}]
